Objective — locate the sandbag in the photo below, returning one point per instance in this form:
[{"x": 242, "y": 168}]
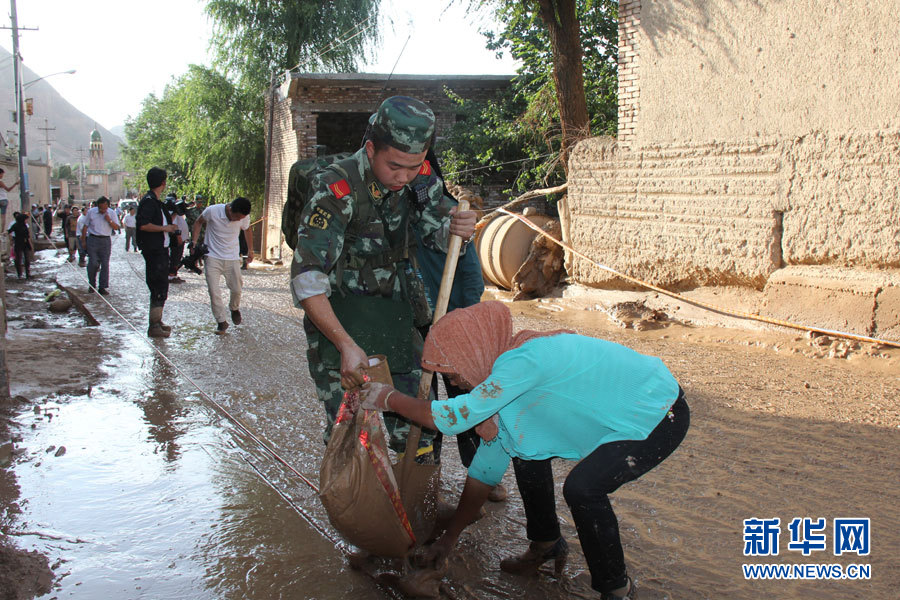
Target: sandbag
[{"x": 356, "y": 481}]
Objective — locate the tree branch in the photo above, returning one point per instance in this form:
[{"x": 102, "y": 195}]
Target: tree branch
[{"x": 530, "y": 195}]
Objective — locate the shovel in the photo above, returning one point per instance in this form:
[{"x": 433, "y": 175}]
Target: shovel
[{"x": 419, "y": 483}]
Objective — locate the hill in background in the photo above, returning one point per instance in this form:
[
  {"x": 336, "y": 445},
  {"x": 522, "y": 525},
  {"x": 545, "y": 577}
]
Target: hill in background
[{"x": 73, "y": 127}]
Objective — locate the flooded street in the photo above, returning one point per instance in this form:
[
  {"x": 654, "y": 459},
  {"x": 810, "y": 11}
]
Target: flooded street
[{"x": 159, "y": 494}]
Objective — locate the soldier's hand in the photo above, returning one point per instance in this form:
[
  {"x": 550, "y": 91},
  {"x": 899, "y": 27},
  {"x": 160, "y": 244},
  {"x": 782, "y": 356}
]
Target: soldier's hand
[
  {"x": 353, "y": 363},
  {"x": 462, "y": 223}
]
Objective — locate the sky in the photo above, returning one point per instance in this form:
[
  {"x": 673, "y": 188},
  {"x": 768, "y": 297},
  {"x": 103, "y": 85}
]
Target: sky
[{"x": 123, "y": 50}]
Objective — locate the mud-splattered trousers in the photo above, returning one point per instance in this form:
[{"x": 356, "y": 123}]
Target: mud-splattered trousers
[{"x": 586, "y": 492}]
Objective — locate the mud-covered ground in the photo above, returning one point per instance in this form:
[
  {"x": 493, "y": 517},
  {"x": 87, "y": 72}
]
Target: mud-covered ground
[{"x": 124, "y": 474}]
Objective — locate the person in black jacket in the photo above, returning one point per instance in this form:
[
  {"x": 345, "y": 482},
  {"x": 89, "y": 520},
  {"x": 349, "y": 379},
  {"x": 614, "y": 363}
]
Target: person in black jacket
[{"x": 153, "y": 229}]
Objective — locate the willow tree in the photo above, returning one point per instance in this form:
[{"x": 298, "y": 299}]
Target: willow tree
[{"x": 256, "y": 38}]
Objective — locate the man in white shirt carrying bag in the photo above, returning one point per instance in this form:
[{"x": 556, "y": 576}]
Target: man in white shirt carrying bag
[{"x": 224, "y": 223}]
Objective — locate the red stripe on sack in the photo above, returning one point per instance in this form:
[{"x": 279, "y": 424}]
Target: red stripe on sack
[
  {"x": 340, "y": 188},
  {"x": 344, "y": 412},
  {"x": 385, "y": 481}
]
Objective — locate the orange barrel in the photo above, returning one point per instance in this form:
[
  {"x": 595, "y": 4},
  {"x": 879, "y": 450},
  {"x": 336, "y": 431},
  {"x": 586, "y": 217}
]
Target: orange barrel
[{"x": 503, "y": 245}]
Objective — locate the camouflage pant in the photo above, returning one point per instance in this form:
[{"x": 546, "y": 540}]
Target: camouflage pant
[{"x": 331, "y": 394}]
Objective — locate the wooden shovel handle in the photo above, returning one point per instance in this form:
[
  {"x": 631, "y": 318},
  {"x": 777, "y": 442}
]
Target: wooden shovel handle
[{"x": 440, "y": 309}]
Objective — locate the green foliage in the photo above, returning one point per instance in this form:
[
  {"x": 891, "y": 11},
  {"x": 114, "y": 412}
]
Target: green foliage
[
  {"x": 255, "y": 38},
  {"x": 206, "y": 132},
  {"x": 206, "y": 129},
  {"x": 523, "y": 125},
  {"x": 64, "y": 172}
]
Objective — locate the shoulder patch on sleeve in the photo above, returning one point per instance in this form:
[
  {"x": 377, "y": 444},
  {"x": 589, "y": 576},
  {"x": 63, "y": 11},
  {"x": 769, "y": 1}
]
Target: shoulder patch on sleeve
[
  {"x": 426, "y": 168},
  {"x": 339, "y": 188}
]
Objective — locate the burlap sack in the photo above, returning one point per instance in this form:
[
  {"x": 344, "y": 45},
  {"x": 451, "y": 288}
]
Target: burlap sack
[{"x": 357, "y": 483}]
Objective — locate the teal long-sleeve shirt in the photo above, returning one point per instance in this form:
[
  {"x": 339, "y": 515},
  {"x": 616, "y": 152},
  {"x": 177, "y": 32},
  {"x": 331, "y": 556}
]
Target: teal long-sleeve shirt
[{"x": 560, "y": 396}]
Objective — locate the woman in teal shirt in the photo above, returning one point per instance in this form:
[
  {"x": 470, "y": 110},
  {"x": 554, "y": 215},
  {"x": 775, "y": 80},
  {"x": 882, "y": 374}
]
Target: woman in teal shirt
[{"x": 542, "y": 395}]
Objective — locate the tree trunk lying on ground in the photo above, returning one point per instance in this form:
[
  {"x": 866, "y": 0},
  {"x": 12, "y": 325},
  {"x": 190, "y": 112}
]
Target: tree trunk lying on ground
[{"x": 543, "y": 267}]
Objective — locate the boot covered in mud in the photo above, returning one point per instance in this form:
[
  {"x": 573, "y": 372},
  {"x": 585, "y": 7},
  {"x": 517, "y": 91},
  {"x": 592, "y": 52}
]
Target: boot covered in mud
[{"x": 156, "y": 328}]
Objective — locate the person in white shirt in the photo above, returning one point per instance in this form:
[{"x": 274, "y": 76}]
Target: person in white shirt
[
  {"x": 130, "y": 229},
  {"x": 224, "y": 223},
  {"x": 100, "y": 222},
  {"x": 176, "y": 242}
]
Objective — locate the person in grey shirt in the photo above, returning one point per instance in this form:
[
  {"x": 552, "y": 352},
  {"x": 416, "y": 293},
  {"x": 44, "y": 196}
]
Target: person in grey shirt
[{"x": 100, "y": 222}]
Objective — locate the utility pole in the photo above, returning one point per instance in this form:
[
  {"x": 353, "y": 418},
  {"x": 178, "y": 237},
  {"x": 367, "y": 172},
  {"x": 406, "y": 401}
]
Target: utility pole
[
  {"x": 47, "y": 140},
  {"x": 20, "y": 110},
  {"x": 47, "y": 129}
]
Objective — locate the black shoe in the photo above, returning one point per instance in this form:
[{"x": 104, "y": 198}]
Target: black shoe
[
  {"x": 629, "y": 592},
  {"x": 537, "y": 554},
  {"x": 221, "y": 327},
  {"x": 103, "y": 292},
  {"x": 236, "y": 317}
]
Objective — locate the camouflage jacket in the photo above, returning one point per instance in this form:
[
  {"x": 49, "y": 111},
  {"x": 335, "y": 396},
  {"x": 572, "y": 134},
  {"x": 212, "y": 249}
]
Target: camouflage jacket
[{"x": 328, "y": 230}]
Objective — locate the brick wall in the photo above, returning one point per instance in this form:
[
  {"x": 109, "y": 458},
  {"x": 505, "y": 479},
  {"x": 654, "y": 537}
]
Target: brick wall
[
  {"x": 284, "y": 154},
  {"x": 304, "y": 99},
  {"x": 629, "y": 88},
  {"x": 751, "y": 139}
]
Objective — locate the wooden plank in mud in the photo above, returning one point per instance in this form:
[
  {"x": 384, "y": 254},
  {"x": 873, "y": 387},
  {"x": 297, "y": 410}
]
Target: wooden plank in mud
[{"x": 79, "y": 304}]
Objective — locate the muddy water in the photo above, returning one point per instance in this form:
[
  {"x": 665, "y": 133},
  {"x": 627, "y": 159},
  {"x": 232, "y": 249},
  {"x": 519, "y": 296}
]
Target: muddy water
[{"x": 158, "y": 496}]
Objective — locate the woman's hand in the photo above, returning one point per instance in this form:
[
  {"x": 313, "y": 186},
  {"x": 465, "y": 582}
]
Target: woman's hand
[
  {"x": 436, "y": 555},
  {"x": 488, "y": 429},
  {"x": 374, "y": 396}
]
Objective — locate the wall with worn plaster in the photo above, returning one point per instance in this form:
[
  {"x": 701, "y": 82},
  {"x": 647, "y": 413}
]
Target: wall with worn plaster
[{"x": 752, "y": 136}]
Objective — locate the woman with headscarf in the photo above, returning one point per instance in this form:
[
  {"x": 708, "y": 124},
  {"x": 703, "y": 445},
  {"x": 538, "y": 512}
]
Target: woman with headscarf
[{"x": 541, "y": 395}]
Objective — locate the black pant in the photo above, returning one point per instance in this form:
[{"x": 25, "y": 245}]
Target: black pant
[
  {"x": 22, "y": 259},
  {"x": 176, "y": 252},
  {"x": 586, "y": 492},
  {"x": 467, "y": 441},
  {"x": 157, "y": 262}
]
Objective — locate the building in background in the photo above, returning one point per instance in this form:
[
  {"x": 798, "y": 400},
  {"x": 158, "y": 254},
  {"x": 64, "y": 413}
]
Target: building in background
[{"x": 327, "y": 113}]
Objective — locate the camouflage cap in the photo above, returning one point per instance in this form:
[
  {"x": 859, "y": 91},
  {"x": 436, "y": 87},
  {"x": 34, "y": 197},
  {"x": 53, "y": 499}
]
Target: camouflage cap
[{"x": 404, "y": 123}]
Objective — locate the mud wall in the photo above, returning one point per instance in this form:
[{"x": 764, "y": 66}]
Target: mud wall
[
  {"x": 752, "y": 137},
  {"x": 733, "y": 213}
]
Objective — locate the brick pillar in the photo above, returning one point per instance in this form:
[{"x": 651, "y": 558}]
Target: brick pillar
[
  {"x": 629, "y": 76},
  {"x": 307, "y": 134}
]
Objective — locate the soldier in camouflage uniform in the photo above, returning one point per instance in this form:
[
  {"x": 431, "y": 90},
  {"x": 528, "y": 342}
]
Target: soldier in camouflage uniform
[{"x": 353, "y": 271}]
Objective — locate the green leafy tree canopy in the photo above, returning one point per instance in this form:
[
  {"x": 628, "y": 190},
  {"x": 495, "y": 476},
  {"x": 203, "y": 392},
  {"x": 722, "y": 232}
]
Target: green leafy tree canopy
[
  {"x": 522, "y": 128},
  {"x": 256, "y": 38}
]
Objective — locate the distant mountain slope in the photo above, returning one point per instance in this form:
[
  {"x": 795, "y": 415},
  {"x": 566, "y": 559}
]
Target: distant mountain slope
[{"x": 73, "y": 127}]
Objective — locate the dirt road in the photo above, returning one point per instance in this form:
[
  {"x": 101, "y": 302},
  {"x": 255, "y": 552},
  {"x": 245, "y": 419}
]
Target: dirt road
[{"x": 158, "y": 495}]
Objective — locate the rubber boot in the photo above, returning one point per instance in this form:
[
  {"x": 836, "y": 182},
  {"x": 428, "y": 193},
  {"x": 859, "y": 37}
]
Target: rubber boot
[{"x": 156, "y": 327}]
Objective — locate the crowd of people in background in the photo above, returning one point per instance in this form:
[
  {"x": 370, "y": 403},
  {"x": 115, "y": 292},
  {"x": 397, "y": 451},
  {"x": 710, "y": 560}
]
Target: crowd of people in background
[{"x": 88, "y": 229}]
